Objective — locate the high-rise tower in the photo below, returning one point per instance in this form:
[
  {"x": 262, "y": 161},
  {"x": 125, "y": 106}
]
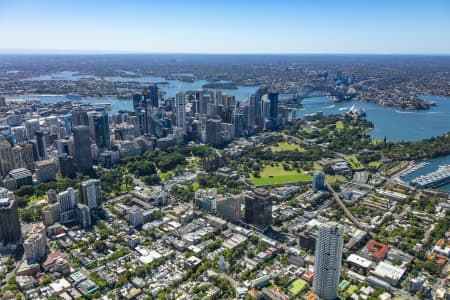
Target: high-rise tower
[
  {"x": 153, "y": 95},
  {"x": 82, "y": 145},
  {"x": 180, "y": 109},
  {"x": 10, "y": 230},
  {"x": 327, "y": 261},
  {"x": 101, "y": 130}
]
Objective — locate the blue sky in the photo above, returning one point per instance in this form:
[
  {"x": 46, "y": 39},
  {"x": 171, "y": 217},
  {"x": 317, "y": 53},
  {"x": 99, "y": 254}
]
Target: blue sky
[{"x": 245, "y": 26}]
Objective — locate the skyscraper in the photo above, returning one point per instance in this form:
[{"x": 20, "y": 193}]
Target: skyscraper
[
  {"x": 67, "y": 201},
  {"x": 91, "y": 193},
  {"x": 273, "y": 98},
  {"x": 327, "y": 262},
  {"x": 66, "y": 165},
  {"x": 213, "y": 132},
  {"x": 229, "y": 207},
  {"x": 180, "y": 109},
  {"x": 82, "y": 145},
  {"x": 35, "y": 245},
  {"x": 145, "y": 93},
  {"x": 31, "y": 126},
  {"x": 318, "y": 181},
  {"x": 153, "y": 95},
  {"x": 41, "y": 145},
  {"x": 258, "y": 208},
  {"x": 137, "y": 102},
  {"x": 10, "y": 230},
  {"x": 79, "y": 117},
  {"x": 101, "y": 130},
  {"x": 259, "y": 118},
  {"x": 83, "y": 214},
  {"x": 6, "y": 158}
]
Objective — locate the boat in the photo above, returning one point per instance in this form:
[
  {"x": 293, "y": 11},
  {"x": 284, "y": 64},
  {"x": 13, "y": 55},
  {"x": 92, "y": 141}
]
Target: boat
[{"x": 73, "y": 97}]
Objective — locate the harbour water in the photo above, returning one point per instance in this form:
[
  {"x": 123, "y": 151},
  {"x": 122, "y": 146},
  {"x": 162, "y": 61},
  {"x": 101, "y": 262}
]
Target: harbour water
[
  {"x": 393, "y": 123},
  {"x": 170, "y": 87}
]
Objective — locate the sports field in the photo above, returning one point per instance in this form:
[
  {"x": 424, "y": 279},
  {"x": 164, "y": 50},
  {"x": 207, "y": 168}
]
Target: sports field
[
  {"x": 277, "y": 175},
  {"x": 297, "y": 286},
  {"x": 285, "y": 146}
]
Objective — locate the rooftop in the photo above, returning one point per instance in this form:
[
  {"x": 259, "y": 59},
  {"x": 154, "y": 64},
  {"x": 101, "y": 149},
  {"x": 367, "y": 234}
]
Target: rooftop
[{"x": 386, "y": 270}]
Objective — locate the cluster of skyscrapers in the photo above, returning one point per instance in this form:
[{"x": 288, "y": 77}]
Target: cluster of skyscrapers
[
  {"x": 208, "y": 116},
  {"x": 38, "y": 139}
]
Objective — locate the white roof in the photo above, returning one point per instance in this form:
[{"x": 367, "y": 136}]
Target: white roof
[
  {"x": 359, "y": 260},
  {"x": 152, "y": 255},
  {"x": 386, "y": 270},
  {"x": 60, "y": 285}
]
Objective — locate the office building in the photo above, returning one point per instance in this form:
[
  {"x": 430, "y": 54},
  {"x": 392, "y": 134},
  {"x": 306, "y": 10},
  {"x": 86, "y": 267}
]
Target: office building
[
  {"x": 273, "y": 99},
  {"x": 258, "y": 208},
  {"x": 20, "y": 177},
  {"x": 31, "y": 126},
  {"x": 67, "y": 165},
  {"x": 35, "y": 245},
  {"x": 318, "y": 182},
  {"x": 307, "y": 241},
  {"x": 229, "y": 207},
  {"x": 41, "y": 145},
  {"x": 136, "y": 216},
  {"x": 10, "y": 230},
  {"x": 137, "y": 102},
  {"x": 82, "y": 145},
  {"x": 153, "y": 95},
  {"x": 6, "y": 158},
  {"x": 67, "y": 201},
  {"x": 213, "y": 132},
  {"x": 327, "y": 261},
  {"x": 19, "y": 134},
  {"x": 180, "y": 110},
  {"x": 101, "y": 130},
  {"x": 79, "y": 117},
  {"x": 51, "y": 214},
  {"x": 83, "y": 215},
  {"x": 23, "y": 156},
  {"x": 91, "y": 193},
  {"x": 45, "y": 170}
]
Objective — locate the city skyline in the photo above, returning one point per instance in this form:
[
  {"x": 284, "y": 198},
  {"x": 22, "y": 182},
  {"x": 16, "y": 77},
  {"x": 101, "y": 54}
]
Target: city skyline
[{"x": 286, "y": 27}]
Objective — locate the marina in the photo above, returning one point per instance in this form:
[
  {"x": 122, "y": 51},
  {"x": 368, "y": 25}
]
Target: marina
[
  {"x": 415, "y": 168},
  {"x": 433, "y": 179}
]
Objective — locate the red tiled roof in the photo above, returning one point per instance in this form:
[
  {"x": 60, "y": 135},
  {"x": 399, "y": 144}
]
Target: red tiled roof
[{"x": 377, "y": 249}]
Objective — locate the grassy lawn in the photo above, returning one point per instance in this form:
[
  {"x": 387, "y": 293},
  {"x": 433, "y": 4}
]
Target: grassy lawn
[
  {"x": 297, "y": 286},
  {"x": 195, "y": 186},
  {"x": 351, "y": 289},
  {"x": 317, "y": 166},
  {"x": 332, "y": 179},
  {"x": 35, "y": 200},
  {"x": 375, "y": 164},
  {"x": 339, "y": 125},
  {"x": 285, "y": 146},
  {"x": 277, "y": 175},
  {"x": 193, "y": 161},
  {"x": 354, "y": 163},
  {"x": 166, "y": 175},
  {"x": 396, "y": 168}
]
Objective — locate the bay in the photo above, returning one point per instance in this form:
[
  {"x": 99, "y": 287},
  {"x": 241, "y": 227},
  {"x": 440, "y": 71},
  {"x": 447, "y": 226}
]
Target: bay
[{"x": 393, "y": 123}]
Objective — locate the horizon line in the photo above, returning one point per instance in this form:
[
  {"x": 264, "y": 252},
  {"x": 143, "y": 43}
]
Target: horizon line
[{"x": 20, "y": 51}]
